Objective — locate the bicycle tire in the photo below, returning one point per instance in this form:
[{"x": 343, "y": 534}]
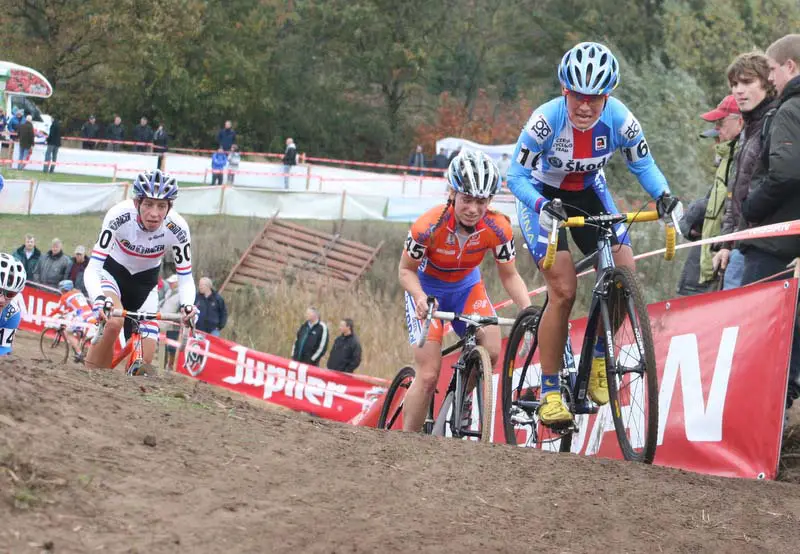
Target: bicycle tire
[
  {"x": 477, "y": 361},
  {"x": 399, "y": 384},
  {"x": 50, "y": 341},
  {"x": 625, "y": 292},
  {"x": 527, "y": 322}
]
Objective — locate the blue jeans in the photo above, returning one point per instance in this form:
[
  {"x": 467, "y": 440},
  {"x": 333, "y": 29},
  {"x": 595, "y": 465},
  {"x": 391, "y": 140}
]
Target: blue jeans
[
  {"x": 23, "y": 155},
  {"x": 734, "y": 271},
  {"x": 215, "y": 332}
]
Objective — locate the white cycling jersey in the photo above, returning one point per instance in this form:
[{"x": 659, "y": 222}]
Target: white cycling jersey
[{"x": 132, "y": 255}]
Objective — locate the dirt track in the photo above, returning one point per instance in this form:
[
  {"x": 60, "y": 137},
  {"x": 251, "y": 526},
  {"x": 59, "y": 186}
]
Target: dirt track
[{"x": 99, "y": 462}]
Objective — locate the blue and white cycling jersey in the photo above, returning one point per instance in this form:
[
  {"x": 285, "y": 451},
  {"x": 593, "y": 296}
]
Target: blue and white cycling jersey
[
  {"x": 551, "y": 151},
  {"x": 10, "y": 317}
]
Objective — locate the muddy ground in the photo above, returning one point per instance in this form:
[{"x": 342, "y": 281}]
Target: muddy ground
[{"x": 97, "y": 462}]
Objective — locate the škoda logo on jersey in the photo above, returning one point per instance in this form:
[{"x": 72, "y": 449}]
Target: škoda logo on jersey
[{"x": 196, "y": 349}]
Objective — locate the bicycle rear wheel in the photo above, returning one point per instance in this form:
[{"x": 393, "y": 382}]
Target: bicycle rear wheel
[
  {"x": 476, "y": 405},
  {"x": 54, "y": 345},
  {"x": 392, "y": 409},
  {"x": 521, "y": 424},
  {"x": 632, "y": 376}
]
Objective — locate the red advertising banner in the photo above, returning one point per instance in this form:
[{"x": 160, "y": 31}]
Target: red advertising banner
[
  {"x": 36, "y": 301},
  {"x": 322, "y": 392},
  {"x": 722, "y": 372}
]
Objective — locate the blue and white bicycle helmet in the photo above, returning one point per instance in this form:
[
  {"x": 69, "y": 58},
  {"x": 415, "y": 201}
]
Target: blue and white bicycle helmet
[
  {"x": 66, "y": 285},
  {"x": 12, "y": 274},
  {"x": 155, "y": 185},
  {"x": 589, "y": 68},
  {"x": 474, "y": 173}
]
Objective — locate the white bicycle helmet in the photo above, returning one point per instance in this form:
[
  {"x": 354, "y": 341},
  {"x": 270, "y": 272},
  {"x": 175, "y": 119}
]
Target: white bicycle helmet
[
  {"x": 12, "y": 274},
  {"x": 156, "y": 185},
  {"x": 589, "y": 68},
  {"x": 474, "y": 173}
]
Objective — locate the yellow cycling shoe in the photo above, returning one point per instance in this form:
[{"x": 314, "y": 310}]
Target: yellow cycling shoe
[
  {"x": 598, "y": 382},
  {"x": 553, "y": 411}
]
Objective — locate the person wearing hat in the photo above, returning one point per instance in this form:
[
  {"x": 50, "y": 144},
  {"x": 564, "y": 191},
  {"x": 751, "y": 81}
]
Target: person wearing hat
[
  {"x": 171, "y": 304},
  {"x": 753, "y": 95},
  {"x": 79, "y": 263},
  {"x": 90, "y": 130},
  {"x": 727, "y": 126}
]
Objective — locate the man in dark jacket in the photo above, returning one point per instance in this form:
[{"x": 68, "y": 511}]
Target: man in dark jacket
[
  {"x": 142, "y": 133},
  {"x": 775, "y": 194},
  {"x": 160, "y": 142},
  {"x": 289, "y": 160},
  {"x": 213, "y": 313},
  {"x": 53, "y": 144},
  {"x": 29, "y": 255},
  {"x": 346, "y": 352},
  {"x": 116, "y": 133},
  {"x": 26, "y": 134},
  {"x": 312, "y": 339},
  {"x": 53, "y": 267},
  {"x": 226, "y": 137},
  {"x": 748, "y": 77},
  {"x": 79, "y": 263},
  {"x": 90, "y": 130},
  {"x": 692, "y": 228}
]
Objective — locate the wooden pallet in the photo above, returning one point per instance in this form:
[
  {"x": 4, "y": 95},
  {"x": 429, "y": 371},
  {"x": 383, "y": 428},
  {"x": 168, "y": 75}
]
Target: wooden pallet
[{"x": 284, "y": 250}]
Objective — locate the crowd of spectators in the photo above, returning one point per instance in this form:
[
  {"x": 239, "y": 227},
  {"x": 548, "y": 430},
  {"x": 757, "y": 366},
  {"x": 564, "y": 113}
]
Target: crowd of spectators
[
  {"x": 311, "y": 343},
  {"x": 54, "y": 265},
  {"x": 757, "y": 133}
]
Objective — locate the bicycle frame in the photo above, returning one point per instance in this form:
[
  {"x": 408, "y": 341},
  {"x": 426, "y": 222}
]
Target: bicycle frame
[{"x": 133, "y": 346}]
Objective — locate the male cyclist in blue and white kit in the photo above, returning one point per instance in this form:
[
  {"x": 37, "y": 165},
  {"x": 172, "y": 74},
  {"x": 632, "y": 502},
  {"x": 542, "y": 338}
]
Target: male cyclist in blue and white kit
[
  {"x": 561, "y": 153},
  {"x": 12, "y": 281},
  {"x": 124, "y": 266}
]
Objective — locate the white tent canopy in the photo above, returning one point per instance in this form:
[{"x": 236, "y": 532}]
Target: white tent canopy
[{"x": 496, "y": 151}]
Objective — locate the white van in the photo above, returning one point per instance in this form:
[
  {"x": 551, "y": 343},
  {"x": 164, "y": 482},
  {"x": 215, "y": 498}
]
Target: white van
[{"x": 18, "y": 84}]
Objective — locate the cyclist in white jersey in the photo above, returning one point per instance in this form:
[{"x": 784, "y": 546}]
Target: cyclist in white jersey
[
  {"x": 124, "y": 266},
  {"x": 561, "y": 153}
]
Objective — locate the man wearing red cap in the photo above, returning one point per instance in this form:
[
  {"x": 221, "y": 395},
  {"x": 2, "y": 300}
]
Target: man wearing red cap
[
  {"x": 752, "y": 93},
  {"x": 727, "y": 126}
]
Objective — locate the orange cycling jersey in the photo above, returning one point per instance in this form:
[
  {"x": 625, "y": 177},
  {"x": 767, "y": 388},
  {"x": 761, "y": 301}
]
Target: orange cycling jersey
[
  {"x": 73, "y": 302},
  {"x": 451, "y": 258}
]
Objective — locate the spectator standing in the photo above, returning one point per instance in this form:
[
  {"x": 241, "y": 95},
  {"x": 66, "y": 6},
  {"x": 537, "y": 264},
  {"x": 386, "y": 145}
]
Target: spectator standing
[
  {"x": 171, "y": 304},
  {"x": 218, "y": 162},
  {"x": 452, "y": 155},
  {"x": 748, "y": 77},
  {"x": 417, "y": 161},
  {"x": 312, "y": 339},
  {"x": 79, "y": 263},
  {"x": 3, "y": 121},
  {"x": 53, "y": 267},
  {"x": 234, "y": 158},
  {"x": 289, "y": 160},
  {"x": 14, "y": 122},
  {"x": 90, "y": 130},
  {"x": 26, "y": 134},
  {"x": 160, "y": 141},
  {"x": 226, "y": 136},
  {"x": 440, "y": 161},
  {"x": 143, "y": 133},
  {"x": 115, "y": 132},
  {"x": 29, "y": 255},
  {"x": 53, "y": 144},
  {"x": 213, "y": 313},
  {"x": 774, "y": 195},
  {"x": 346, "y": 352},
  {"x": 503, "y": 166}
]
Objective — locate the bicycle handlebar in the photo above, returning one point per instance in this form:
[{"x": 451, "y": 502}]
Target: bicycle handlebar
[
  {"x": 138, "y": 316},
  {"x": 607, "y": 220},
  {"x": 469, "y": 319}
]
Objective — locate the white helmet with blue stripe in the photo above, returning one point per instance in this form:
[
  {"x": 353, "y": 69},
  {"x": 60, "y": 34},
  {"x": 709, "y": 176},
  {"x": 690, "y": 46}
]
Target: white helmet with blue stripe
[
  {"x": 156, "y": 185},
  {"x": 474, "y": 173},
  {"x": 589, "y": 68}
]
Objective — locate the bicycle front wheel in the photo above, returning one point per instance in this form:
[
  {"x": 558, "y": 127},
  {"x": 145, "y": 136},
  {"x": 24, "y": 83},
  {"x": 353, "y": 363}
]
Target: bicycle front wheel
[
  {"x": 631, "y": 368},
  {"x": 520, "y": 389},
  {"x": 476, "y": 402},
  {"x": 54, "y": 345},
  {"x": 391, "y": 416}
]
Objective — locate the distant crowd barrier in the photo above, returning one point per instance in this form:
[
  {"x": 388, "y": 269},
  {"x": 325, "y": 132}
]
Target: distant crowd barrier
[
  {"x": 46, "y": 197},
  {"x": 194, "y": 169}
]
